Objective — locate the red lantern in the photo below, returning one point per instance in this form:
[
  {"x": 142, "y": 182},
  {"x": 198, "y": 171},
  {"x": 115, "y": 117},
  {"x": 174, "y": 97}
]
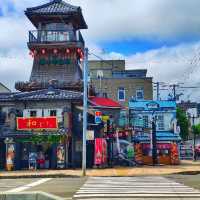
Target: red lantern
[
  {"x": 43, "y": 51},
  {"x": 79, "y": 50},
  {"x": 81, "y": 56},
  {"x": 31, "y": 54},
  {"x": 67, "y": 51},
  {"x": 35, "y": 52},
  {"x": 55, "y": 51}
]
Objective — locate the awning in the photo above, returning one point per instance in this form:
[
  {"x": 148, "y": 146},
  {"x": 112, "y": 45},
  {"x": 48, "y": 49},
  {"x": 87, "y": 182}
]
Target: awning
[{"x": 104, "y": 102}]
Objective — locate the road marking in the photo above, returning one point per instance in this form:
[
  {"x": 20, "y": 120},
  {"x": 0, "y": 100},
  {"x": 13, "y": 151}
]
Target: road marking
[
  {"x": 133, "y": 187},
  {"x": 28, "y": 186}
]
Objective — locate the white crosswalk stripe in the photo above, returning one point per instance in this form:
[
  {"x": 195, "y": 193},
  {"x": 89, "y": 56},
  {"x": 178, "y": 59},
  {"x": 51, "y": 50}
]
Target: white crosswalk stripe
[{"x": 134, "y": 188}]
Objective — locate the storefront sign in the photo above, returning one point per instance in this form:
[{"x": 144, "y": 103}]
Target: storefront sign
[
  {"x": 159, "y": 146},
  {"x": 90, "y": 135},
  {"x": 152, "y": 105},
  {"x": 98, "y": 117},
  {"x": 37, "y": 123}
]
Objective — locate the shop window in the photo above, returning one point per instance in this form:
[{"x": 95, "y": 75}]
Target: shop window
[
  {"x": 33, "y": 113},
  {"x": 163, "y": 152},
  {"x": 139, "y": 94},
  {"x": 145, "y": 121},
  {"x": 53, "y": 113},
  {"x": 121, "y": 94},
  {"x": 160, "y": 123}
]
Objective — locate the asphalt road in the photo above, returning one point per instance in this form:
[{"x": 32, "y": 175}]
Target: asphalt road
[{"x": 62, "y": 187}]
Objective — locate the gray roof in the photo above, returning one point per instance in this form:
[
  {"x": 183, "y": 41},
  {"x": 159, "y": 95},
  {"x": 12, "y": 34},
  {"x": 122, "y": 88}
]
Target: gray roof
[
  {"x": 58, "y": 8},
  {"x": 46, "y": 94},
  {"x": 54, "y": 7}
]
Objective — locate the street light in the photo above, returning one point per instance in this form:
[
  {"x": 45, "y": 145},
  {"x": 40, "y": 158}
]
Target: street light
[{"x": 85, "y": 108}]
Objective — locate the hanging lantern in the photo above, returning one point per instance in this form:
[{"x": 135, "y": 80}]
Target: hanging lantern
[
  {"x": 31, "y": 54},
  {"x": 81, "y": 56},
  {"x": 79, "y": 50},
  {"x": 35, "y": 52},
  {"x": 43, "y": 51},
  {"x": 67, "y": 51},
  {"x": 55, "y": 51}
]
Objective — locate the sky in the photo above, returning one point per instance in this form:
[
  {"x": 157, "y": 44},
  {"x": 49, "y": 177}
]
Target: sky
[{"x": 162, "y": 36}]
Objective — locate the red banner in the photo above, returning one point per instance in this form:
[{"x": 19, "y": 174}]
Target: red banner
[
  {"x": 37, "y": 123},
  {"x": 159, "y": 146},
  {"x": 100, "y": 151}
]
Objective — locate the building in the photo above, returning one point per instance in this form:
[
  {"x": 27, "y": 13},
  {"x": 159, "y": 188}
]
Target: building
[
  {"x": 3, "y": 88},
  {"x": 42, "y": 116},
  {"x": 167, "y": 134},
  {"x": 110, "y": 79}
]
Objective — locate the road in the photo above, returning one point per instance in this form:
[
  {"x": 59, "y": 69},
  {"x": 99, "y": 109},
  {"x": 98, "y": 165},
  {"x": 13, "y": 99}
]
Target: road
[
  {"x": 62, "y": 187},
  {"x": 148, "y": 188}
]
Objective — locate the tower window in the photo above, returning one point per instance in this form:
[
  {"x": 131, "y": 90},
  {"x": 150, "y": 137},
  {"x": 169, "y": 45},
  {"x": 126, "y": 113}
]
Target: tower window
[
  {"x": 121, "y": 94},
  {"x": 33, "y": 113},
  {"x": 53, "y": 113}
]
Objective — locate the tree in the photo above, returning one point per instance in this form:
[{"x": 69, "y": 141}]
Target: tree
[
  {"x": 196, "y": 131},
  {"x": 183, "y": 123}
]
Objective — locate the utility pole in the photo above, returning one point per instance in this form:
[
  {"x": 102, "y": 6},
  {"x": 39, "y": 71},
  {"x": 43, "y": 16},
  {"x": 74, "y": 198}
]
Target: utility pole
[
  {"x": 174, "y": 87},
  {"x": 154, "y": 143},
  {"x": 85, "y": 108},
  {"x": 158, "y": 91},
  {"x": 194, "y": 139}
]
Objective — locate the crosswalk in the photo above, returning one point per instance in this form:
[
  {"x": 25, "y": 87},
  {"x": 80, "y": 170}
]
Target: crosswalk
[{"x": 134, "y": 188}]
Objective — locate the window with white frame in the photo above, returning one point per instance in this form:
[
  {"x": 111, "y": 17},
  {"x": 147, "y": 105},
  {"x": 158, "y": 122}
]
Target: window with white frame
[
  {"x": 121, "y": 94},
  {"x": 160, "y": 123},
  {"x": 139, "y": 94},
  {"x": 33, "y": 113}
]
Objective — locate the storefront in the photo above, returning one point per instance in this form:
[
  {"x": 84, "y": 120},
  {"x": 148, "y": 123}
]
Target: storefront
[{"x": 167, "y": 149}]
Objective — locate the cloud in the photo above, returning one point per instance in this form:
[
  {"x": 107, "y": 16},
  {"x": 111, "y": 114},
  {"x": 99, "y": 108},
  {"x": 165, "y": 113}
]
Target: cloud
[
  {"x": 179, "y": 64},
  {"x": 111, "y": 20},
  {"x": 150, "y": 19}
]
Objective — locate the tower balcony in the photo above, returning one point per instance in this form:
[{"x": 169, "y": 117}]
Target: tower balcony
[{"x": 55, "y": 38}]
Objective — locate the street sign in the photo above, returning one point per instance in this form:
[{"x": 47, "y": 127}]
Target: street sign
[{"x": 98, "y": 117}]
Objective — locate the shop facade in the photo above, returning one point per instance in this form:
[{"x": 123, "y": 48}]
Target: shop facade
[{"x": 167, "y": 136}]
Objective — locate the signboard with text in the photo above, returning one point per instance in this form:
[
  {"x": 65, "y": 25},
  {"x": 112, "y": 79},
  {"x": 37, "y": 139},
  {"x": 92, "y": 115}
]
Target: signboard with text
[
  {"x": 37, "y": 123},
  {"x": 98, "y": 117}
]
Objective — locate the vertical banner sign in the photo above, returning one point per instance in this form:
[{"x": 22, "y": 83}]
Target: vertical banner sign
[
  {"x": 61, "y": 156},
  {"x": 10, "y": 156},
  {"x": 98, "y": 151},
  {"x": 98, "y": 117},
  {"x": 174, "y": 154}
]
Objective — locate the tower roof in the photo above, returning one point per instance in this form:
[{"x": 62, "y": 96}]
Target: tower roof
[{"x": 56, "y": 8}]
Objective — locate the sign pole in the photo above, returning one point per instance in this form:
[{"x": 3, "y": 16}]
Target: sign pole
[{"x": 85, "y": 108}]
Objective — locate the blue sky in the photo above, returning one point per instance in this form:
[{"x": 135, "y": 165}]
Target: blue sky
[{"x": 162, "y": 36}]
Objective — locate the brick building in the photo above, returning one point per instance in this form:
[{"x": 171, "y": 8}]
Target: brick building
[{"x": 110, "y": 79}]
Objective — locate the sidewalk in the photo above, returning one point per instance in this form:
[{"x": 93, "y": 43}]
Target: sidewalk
[{"x": 186, "y": 166}]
